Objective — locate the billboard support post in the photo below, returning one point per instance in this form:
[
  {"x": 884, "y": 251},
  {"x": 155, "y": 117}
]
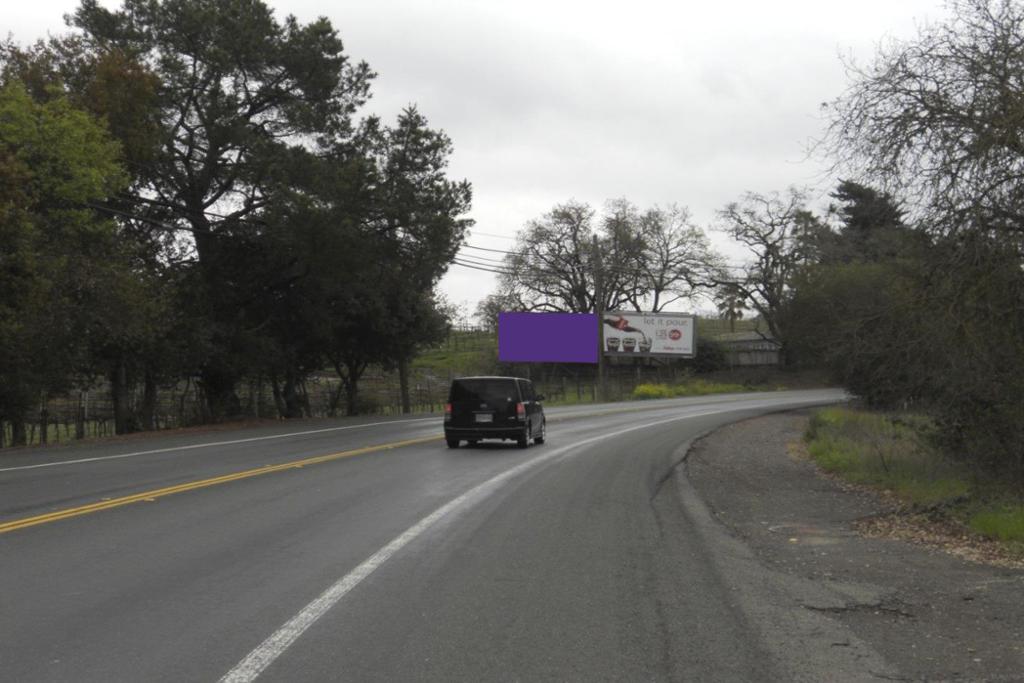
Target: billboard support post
[{"x": 598, "y": 305}]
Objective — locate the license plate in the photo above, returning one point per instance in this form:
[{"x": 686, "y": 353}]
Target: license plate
[{"x": 485, "y": 418}]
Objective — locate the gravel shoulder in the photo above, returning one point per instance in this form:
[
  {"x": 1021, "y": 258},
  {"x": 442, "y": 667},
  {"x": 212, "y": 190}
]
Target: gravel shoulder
[{"x": 929, "y": 614}]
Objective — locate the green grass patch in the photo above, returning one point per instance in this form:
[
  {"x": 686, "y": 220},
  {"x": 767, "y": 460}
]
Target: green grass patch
[
  {"x": 1004, "y": 524},
  {"x": 881, "y": 451},
  {"x": 892, "y": 453}
]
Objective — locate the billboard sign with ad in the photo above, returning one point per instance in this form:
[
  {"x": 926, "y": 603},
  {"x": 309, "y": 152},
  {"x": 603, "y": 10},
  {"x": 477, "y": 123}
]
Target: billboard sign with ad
[
  {"x": 634, "y": 334},
  {"x": 547, "y": 337}
]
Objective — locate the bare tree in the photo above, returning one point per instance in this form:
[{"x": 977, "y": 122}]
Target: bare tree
[
  {"x": 648, "y": 260},
  {"x": 677, "y": 261},
  {"x": 623, "y": 253},
  {"x": 940, "y": 118},
  {"x": 772, "y": 228},
  {"x": 553, "y": 265}
]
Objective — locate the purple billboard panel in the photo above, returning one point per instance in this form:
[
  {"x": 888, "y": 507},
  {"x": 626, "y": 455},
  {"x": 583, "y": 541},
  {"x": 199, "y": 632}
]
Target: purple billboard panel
[{"x": 547, "y": 337}]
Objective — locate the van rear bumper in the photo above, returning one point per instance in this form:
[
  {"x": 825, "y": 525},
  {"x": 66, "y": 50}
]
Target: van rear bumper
[{"x": 466, "y": 433}]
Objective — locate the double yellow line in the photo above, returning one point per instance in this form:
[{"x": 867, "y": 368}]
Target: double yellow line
[{"x": 149, "y": 496}]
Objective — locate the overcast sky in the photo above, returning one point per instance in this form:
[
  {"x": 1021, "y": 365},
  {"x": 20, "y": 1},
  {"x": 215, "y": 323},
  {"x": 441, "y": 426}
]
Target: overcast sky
[{"x": 545, "y": 101}]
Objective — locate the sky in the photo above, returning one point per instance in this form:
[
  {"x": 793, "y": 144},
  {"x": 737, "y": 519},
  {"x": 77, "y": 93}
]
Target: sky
[{"x": 546, "y": 101}]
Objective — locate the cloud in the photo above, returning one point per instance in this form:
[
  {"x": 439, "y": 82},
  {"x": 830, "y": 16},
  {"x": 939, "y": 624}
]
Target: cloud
[{"x": 549, "y": 100}]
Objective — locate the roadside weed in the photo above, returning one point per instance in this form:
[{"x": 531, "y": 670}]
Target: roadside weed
[
  {"x": 1005, "y": 524},
  {"x": 879, "y": 450},
  {"x": 696, "y": 387}
]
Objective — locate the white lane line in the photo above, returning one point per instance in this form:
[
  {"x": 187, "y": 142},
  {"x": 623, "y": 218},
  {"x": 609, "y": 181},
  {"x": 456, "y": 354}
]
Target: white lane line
[
  {"x": 211, "y": 444},
  {"x": 273, "y": 647}
]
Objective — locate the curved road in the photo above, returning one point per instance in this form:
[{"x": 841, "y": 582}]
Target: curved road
[{"x": 366, "y": 550}]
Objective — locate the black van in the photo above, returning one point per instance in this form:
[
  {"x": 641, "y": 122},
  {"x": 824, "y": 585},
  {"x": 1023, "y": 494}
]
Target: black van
[{"x": 493, "y": 408}]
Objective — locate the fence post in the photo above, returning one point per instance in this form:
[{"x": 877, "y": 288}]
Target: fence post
[
  {"x": 44, "y": 424},
  {"x": 80, "y": 418},
  {"x": 254, "y": 396}
]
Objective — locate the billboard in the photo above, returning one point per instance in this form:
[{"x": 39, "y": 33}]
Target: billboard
[
  {"x": 649, "y": 334},
  {"x": 547, "y": 337}
]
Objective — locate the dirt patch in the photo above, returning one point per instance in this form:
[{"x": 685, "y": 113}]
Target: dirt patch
[
  {"x": 946, "y": 535},
  {"x": 925, "y": 528},
  {"x": 937, "y": 613}
]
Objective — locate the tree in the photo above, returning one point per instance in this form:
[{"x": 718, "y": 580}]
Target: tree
[
  {"x": 360, "y": 246},
  {"x": 648, "y": 260},
  {"x": 676, "y": 260},
  {"x": 867, "y": 225},
  {"x": 59, "y": 260},
  {"x": 730, "y": 303},
  {"x": 622, "y": 248},
  {"x": 242, "y": 100},
  {"x": 260, "y": 231},
  {"x": 552, "y": 265},
  {"x": 155, "y": 343},
  {"x": 491, "y": 306},
  {"x": 773, "y": 228},
  {"x": 939, "y": 117},
  {"x": 933, "y": 323},
  {"x": 420, "y": 214}
]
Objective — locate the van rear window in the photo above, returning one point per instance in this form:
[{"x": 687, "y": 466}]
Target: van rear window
[{"x": 484, "y": 390}]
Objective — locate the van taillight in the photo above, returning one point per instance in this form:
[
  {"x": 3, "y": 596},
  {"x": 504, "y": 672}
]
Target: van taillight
[
  {"x": 447, "y": 412},
  {"x": 520, "y": 411}
]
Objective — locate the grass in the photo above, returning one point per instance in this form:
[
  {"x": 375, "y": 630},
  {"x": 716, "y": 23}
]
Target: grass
[
  {"x": 1005, "y": 524},
  {"x": 696, "y": 387},
  {"x": 462, "y": 361},
  {"x": 886, "y": 453},
  {"x": 891, "y": 453}
]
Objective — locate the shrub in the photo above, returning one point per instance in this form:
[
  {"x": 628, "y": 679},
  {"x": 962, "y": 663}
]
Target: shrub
[
  {"x": 647, "y": 391},
  {"x": 710, "y": 357},
  {"x": 877, "y": 450},
  {"x": 697, "y": 387}
]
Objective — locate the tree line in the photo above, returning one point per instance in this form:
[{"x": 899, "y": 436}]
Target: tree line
[
  {"x": 908, "y": 287},
  {"x": 189, "y": 189}
]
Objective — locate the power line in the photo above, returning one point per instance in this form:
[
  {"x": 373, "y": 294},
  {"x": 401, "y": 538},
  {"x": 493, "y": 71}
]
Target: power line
[
  {"x": 494, "y": 261},
  {"x": 481, "y": 263},
  {"x": 487, "y": 264},
  {"x": 491, "y": 234},
  {"x": 500, "y": 263},
  {"x": 620, "y": 269},
  {"x": 495, "y": 251},
  {"x": 456, "y": 262}
]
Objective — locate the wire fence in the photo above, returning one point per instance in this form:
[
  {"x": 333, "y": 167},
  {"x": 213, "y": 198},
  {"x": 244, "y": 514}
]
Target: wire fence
[{"x": 467, "y": 350}]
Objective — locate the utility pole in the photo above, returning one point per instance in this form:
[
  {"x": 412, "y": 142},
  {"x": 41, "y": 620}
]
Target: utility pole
[{"x": 598, "y": 305}]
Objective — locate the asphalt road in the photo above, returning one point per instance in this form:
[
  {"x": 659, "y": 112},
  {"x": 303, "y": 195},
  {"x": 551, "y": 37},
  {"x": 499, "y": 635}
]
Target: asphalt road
[{"x": 313, "y": 551}]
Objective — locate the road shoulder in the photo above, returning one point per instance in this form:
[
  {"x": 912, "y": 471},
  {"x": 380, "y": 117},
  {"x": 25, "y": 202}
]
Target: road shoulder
[{"x": 931, "y": 615}]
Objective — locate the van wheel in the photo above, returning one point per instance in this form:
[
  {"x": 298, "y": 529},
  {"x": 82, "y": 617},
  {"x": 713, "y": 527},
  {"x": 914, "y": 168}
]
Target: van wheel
[
  {"x": 524, "y": 439},
  {"x": 543, "y": 433},
  {"x": 452, "y": 443}
]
